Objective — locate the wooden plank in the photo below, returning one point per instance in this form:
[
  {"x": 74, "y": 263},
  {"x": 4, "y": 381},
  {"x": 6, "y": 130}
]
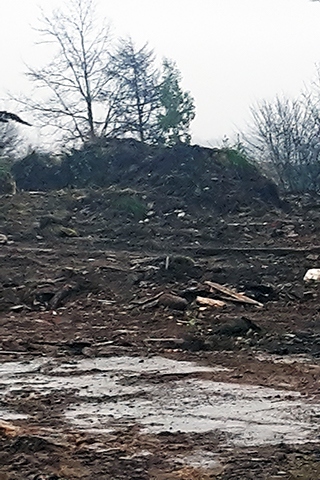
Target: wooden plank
[
  {"x": 210, "y": 302},
  {"x": 239, "y": 297}
]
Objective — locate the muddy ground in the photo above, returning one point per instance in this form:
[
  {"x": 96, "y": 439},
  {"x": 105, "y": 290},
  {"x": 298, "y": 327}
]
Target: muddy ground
[{"x": 100, "y": 281}]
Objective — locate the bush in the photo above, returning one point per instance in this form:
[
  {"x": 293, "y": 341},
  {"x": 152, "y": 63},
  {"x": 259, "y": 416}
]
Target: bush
[
  {"x": 38, "y": 171},
  {"x": 7, "y": 182}
]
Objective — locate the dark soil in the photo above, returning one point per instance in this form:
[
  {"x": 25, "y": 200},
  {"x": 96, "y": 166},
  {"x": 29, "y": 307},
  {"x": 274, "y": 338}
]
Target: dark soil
[{"x": 83, "y": 274}]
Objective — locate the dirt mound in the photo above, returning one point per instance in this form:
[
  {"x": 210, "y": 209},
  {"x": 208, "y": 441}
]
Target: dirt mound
[{"x": 219, "y": 180}]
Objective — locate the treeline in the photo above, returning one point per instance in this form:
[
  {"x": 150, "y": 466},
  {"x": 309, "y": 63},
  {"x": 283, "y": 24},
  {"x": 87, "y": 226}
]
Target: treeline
[
  {"x": 284, "y": 140},
  {"x": 95, "y": 86}
]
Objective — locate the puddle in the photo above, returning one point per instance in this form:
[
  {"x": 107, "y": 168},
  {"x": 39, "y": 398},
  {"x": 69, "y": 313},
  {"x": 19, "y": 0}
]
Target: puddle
[
  {"x": 115, "y": 391},
  {"x": 7, "y": 368},
  {"x": 7, "y": 415},
  {"x": 157, "y": 364},
  {"x": 248, "y": 415}
]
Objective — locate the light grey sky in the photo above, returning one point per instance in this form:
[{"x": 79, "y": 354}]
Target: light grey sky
[{"x": 231, "y": 53}]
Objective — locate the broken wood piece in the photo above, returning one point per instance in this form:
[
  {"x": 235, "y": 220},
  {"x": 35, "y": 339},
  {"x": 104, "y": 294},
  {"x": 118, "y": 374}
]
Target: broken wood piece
[
  {"x": 8, "y": 429},
  {"x": 211, "y": 302},
  {"x": 235, "y": 296}
]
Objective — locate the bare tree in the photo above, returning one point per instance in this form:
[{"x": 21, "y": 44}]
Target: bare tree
[
  {"x": 136, "y": 107},
  {"x": 68, "y": 89},
  {"x": 284, "y": 138},
  {"x": 87, "y": 92}
]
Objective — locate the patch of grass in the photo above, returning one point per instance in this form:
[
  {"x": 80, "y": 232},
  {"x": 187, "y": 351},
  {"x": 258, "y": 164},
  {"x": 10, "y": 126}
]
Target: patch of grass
[
  {"x": 192, "y": 322},
  {"x": 7, "y": 183},
  {"x": 236, "y": 158},
  {"x": 5, "y": 165},
  {"x": 131, "y": 205}
]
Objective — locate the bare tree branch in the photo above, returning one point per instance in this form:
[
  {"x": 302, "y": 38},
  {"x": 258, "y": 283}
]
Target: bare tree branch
[
  {"x": 284, "y": 138},
  {"x": 68, "y": 89}
]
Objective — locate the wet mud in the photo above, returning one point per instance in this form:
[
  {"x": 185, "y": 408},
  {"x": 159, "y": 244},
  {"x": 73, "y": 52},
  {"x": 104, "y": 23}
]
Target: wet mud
[{"x": 112, "y": 368}]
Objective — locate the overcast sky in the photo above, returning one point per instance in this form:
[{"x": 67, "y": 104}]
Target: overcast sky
[{"x": 231, "y": 53}]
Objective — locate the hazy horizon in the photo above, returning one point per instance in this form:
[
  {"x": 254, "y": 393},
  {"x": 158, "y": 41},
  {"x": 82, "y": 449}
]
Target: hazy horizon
[{"x": 231, "y": 53}]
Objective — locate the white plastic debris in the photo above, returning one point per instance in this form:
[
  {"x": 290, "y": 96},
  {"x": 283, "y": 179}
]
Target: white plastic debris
[
  {"x": 181, "y": 214},
  {"x": 312, "y": 275}
]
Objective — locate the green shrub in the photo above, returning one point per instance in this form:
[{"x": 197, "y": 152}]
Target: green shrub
[
  {"x": 131, "y": 205},
  {"x": 236, "y": 158},
  {"x": 7, "y": 183}
]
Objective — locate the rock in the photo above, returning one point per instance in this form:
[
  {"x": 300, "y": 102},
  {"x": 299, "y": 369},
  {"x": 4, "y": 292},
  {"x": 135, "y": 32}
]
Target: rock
[
  {"x": 56, "y": 226},
  {"x": 3, "y": 239},
  {"x": 238, "y": 326},
  {"x": 7, "y": 183},
  {"x": 180, "y": 266},
  {"x": 312, "y": 275},
  {"x": 67, "y": 232},
  {"x": 172, "y": 301}
]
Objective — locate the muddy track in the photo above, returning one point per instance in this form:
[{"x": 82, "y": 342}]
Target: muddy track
[{"x": 111, "y": 367}]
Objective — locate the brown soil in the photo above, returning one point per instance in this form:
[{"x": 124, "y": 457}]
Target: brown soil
[{"x": 111, "y": 272}]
